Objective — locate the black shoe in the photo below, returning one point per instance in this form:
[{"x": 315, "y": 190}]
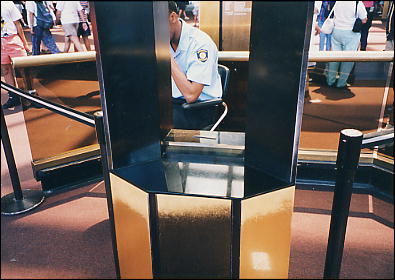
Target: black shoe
[
  {"x": 12, "y": 102},
  {"x": 345, "y": 88}
]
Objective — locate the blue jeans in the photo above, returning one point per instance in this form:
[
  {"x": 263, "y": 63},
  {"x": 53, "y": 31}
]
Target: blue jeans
[
  {"x": 44, "y": 35},
  {"x": 324, "y": 38},
  {"x": 342, "y": 40}
]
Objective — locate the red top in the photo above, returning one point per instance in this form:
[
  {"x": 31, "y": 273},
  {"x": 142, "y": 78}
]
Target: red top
[{"x": 368, "y": 4}]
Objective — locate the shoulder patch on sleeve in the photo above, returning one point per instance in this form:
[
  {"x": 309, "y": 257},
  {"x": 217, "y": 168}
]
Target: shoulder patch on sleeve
[{"x": 202, "y": 55}]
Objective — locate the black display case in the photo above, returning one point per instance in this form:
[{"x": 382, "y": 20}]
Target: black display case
[{"x": 199, "y": 204}]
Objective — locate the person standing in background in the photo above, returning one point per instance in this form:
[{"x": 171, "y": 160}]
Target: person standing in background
[
  {"x": 51, "y": 8},
  {"x": 195, "y": 12},
  {"x": 389, "y": 46},
  {"x": 369, "y": 6},
  {"x": 22, "y": 10},
  {"x": 324, "y": 10},
  {"x": 315, "y": 30},
  {"x": 13, "y": 44},
  {"x": 389, "y": 28},
  {"x": 345, "y": 39},
  {"x": 39, "y": 11},
  {"x": 82, "y": 30},
  {"x": 182, "y": 6},
  {"x": 69, "y": 13}
]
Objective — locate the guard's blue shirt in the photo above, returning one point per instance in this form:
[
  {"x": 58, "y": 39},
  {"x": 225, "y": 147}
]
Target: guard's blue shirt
[{"x": 197, "y": 57}]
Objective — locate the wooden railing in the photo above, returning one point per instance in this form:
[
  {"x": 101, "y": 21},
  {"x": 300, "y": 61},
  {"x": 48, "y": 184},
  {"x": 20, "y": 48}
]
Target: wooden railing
[{"x": 316, "y": 56}]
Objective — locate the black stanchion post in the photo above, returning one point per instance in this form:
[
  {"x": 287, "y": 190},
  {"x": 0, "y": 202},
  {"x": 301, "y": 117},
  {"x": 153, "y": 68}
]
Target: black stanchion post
[
  {"x": 19, "y": 201},
  {"x": 99, "y": 125},
  {"x": 5, "y": 138},
  {"x": 347, "y": 162}
]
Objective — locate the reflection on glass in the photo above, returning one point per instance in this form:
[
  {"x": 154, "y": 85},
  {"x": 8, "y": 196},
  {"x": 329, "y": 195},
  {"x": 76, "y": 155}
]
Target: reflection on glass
[
  {"x": 207, "y": 179},
  {"x": 327, "y": 110},
  {"x": 73, "y": 85},
  {"x": 236, "y": 23}
]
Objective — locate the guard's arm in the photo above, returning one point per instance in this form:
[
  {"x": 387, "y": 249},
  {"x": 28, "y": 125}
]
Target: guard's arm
[{"x": 190, "y": 90}]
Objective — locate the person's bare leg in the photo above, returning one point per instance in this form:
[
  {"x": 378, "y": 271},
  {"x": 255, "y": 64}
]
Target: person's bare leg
[
  {"x": 67, "y": 43},
  {"x": 87, "y": 43},
  {"x": 81, "y": 40},
  {"x": 8, "y": 73},
  {"x": 77, "y": 44}
]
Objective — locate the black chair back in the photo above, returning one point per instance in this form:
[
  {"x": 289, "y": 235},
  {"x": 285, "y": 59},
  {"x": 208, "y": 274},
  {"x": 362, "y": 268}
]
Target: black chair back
[{"x": 224, "y": 74}]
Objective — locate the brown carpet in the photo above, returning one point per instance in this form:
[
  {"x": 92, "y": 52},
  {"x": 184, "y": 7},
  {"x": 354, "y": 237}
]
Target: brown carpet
[{"x": 68, "y": 236}]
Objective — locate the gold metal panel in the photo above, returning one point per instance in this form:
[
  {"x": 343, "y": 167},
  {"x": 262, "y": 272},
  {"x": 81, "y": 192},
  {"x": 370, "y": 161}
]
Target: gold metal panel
[
  {"x": 209, "y": 19},
  {"x": 131, "y": 218},
  {"x": 265, "y": 236},
  {"x": 194, "y": 237},
  {"x": 236, "y": 23},
  {"x": 67, "y": 157}
]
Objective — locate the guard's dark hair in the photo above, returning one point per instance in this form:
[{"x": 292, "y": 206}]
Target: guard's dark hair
[{"x": 173, "y": 7}]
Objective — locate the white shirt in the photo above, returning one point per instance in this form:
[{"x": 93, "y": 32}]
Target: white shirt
[
  {"x": 197, "y": 57},
  {"x": 69, "y": 11},
  {"x": 344, "y": 12},
  {"x": 9, "y": 14},
  {"x": 31, "y": 7},
  {"x": 313, "y": 46}
]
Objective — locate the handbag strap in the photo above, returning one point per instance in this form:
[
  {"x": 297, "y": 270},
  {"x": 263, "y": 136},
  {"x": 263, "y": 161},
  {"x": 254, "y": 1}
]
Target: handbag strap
[
  {"x": 44, "y": 4},
  {"x": 356, "y": 7}
]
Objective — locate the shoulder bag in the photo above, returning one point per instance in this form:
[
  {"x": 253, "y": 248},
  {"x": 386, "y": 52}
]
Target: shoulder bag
[
  {"x": 329, "y": 23},
  {"x": 358, "y": 22}
]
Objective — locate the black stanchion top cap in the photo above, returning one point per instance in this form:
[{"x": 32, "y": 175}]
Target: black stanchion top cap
[
  {"x": 98, "y": 114},
  {"x": 352, "y": 133}
]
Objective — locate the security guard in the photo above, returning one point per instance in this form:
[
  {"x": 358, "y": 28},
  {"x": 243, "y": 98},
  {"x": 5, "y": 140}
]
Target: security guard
[{"x": 194, "y": 72}]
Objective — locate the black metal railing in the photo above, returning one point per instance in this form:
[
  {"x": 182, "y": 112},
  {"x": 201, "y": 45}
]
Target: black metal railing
[
  {"x": 20, "y": 198},
  {"x": 350, "y": 144},
  {"x": 378, "y": 138},
  {"x": 21, "y": 201},
  {"x": 54, "y": 107}
]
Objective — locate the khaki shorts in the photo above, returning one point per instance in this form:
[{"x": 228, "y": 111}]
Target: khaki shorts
[
  {"x": 70, "y": 29},
  {"x": 11, "y": 46}
]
